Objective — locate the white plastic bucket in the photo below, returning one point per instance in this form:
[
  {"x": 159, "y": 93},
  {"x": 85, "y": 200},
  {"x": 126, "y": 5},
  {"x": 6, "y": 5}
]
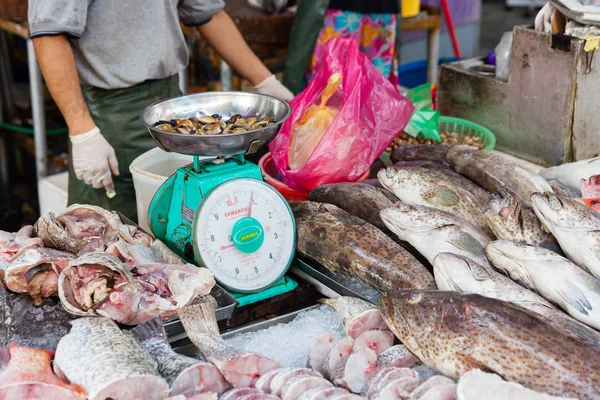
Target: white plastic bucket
[
  {"x": 53, "y": 193},
  {"x": 150, "y": 171}
]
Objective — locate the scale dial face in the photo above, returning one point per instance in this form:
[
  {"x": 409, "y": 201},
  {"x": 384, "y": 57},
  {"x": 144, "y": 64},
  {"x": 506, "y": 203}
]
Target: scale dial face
[{"x": 245, "y": 234}]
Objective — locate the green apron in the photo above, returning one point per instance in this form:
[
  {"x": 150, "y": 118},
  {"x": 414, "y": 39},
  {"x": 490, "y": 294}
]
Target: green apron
[
  {"x": 308, "y": 22},
  {"x": 117, "y": 114}
]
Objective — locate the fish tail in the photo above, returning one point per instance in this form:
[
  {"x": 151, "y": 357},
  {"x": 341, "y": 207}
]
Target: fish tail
[
  {"x": 330, "y": 302},
  {"x": 199, "y": 319},
  {"x": 151, "y": 329}
]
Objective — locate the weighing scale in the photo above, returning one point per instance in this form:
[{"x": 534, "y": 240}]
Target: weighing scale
[{"x": 217, "y": 211}]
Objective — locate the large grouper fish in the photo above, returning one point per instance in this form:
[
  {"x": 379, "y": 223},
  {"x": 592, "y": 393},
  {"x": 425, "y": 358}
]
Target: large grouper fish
[
  {"x": 496, "y": 173},
  {"x": 346, "y": 244},
  {"x": 455, "y": 333}
]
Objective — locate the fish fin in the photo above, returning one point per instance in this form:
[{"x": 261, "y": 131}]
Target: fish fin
[
  {"x": 150, "y": 329},
  {"x": 441, "y": 196},
  {"x": 466, "y": 363},
  {"x": 469, "y": 244},
  {"x": 572, "y": 295}
]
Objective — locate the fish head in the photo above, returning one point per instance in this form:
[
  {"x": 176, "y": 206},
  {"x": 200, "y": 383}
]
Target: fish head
[
  {"x": 458, "y": 273},
  {"x": 395, "y": 177},
  {"x": 502, "y": 217},
  {"x": 590, "y": 188},
  {"x": 431, "y": 324},
  {"x": 555, "y": 211},
  {"x": 405, "y": 220},
  {"x": 462, "y": 154},
  {"x": 512, "y": 259}
]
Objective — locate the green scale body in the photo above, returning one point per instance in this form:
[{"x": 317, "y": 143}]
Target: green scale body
[{"x": 173, "y": 213}]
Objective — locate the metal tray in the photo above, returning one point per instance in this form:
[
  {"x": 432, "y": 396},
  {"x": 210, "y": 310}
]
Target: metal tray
[
  {"x": 344, "y": 285},
  {"x": 225, "y": 306},
  {"x": 186, "y": 348}
]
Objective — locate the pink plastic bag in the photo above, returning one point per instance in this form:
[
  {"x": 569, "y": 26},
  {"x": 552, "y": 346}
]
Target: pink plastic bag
[{"x": 371, "y": 114}]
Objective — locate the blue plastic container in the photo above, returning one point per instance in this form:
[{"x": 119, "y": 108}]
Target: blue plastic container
[{"x": 415, "y": 73}]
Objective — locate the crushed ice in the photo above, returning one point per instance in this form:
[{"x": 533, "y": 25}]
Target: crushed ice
[{"x": 289, "y": 344}]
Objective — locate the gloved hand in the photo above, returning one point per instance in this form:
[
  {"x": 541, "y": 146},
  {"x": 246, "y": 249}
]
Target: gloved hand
[
  {"x": 93, "y": 160},
  {"x": 273, "y": 87}
]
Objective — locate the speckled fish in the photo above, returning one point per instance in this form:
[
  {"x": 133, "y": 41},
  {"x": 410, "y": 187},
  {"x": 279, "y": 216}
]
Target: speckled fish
[
  {"x": 396, "y": 356},
  {"x": 185, "y": 375},
  {"x": 477, "y": 385},
  {"x": 571, "y": 174},
  {"x": 463, "y": 275},
  {"x": 29, "y": 376},
  {"x": 240, "y": 368},
  {"x": 358, "y": 315},
  {"x": 107, "y": 362},
  {"x": 425, "y": 152},
  {"x": 359, "y": 199},
  {"x": 36, "y": 272},
  {"x": 554, "y": 277},
  {"x": 511, "y": 220},
  {"x": 590, "y": 188},
  {"x": 455, "y": 333},
  {"x": 100, "y": 284},
  {"x": 433, "y": 232},
  {"x": 497, "y": 174},
  {"x": 347, "y": 244},
  {"x": 419, "y": 186},
  {"x": 574, "y": 225}
]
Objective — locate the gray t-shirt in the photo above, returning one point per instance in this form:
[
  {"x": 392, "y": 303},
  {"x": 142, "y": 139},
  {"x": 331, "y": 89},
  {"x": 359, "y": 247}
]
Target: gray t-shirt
[{"x": 120, "y": 43}]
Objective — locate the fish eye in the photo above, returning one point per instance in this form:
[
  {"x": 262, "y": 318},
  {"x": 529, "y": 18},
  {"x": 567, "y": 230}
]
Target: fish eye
[
  {"x": 403, "y": 207},
  {"x": 413, "y": 297}
]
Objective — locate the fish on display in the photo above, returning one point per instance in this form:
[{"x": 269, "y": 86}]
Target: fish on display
[
  {"x": 574, "y": 225},
  {"x": 392, "y": 382},
  {"x": 590, "y": 188},
  {"x": 455, "y": 333},
  {"x": 12, "y": 245},
  {"x": 425, "y": 152},
  {"x": 571, "y": 174},
  {"x": 359, "y": 316},
  {"x": 29, "y": 375},
  {"x": 552, "y": 276},
  {"x": 477, "y": 385},
  {"x": 36, "y": 272},
  {"x": 437, "y": 387},
  {"x": 335, "y": 363},
  {"x": 346, "y": 244},
  {"x": 359, "y": 199},
  {"x": 460, "y": 274},
  {"x": 185, "y": 375},
  {"x": 240, "y": 368},
  {"x": 433, "y": 232},
  {"x": 497, "y": 174},
  {"x": 100, "y": 284},
  {"x": 397, "y": 356},
  {"x": 511, "y": 220},
  {"x": 107, "y": 362},
  {"x": 442, "y": 190},
  {"x": 319, "y": 352}
]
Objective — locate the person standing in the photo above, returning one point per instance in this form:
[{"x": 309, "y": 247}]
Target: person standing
[{"x": 104, "y": 62}]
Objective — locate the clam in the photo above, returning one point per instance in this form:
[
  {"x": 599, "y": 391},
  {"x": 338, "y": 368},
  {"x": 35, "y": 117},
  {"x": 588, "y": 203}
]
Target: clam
[
  {"x": 185, "y": 126},
  {"x": 234, "y": 118},
  {"x": 217, "y": 117},
  {"x": 165, "y": 127},
  {"x": 206, "y": 119},
  {"x": 268, "y": 119},
  {"x": 238, "y": 130},
  {"x": 222, "y": 124},
  {"x": 212, "y": 129},
  {"x": 251, "y": 120},
  {"x": 259, "y": 124}
]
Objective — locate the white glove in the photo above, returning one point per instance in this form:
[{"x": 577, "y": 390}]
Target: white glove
[
  {"x": 273, "y": 87},
  {"x": 93, "y": 160}
]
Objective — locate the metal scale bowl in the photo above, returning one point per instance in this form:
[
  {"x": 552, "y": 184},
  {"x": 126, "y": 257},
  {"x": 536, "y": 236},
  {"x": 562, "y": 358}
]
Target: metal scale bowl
[{"x": 217, "y": 211}]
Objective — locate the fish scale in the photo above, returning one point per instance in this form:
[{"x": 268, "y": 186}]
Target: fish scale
[
  {"x": 454, "y": 333},
  {"x": 344, "y": 243}
]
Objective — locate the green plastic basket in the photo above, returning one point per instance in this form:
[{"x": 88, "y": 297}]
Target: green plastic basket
[{"x": 467, "y": 128}]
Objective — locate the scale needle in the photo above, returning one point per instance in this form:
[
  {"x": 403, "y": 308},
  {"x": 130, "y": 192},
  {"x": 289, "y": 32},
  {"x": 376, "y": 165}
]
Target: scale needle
[{"x": 250, "y": 206}]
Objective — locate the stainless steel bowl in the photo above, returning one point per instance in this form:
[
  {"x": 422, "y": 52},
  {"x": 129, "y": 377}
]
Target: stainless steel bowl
[{"x": 225, "y": 104}]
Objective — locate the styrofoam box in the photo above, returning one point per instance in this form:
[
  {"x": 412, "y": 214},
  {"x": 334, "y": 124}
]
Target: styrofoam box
[
  {"x": 150, "y": 170},
  {"x": 52, "y": 193}
]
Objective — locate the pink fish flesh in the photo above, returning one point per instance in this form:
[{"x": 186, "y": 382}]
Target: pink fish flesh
[
  {"x": 359, "y": 369},
  {"x": 378, "y": 341},
  {"x": 590, "y": 188},
  {"x": 284, "y": 376},
  {"x": 334, "y": 364},
  {"x": 12, "y": 245},
  {"x": 319, "y": 352},
  {"x": 296, "y": 386}
]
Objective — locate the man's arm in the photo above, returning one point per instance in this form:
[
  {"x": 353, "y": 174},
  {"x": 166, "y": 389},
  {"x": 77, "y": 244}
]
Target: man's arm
[
  {"x": 223, "y": 35},
  {"x": 57, "y": 63}
]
